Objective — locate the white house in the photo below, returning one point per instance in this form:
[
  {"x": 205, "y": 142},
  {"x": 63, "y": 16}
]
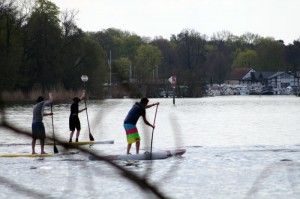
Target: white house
[{"x": 282, "y": 80}]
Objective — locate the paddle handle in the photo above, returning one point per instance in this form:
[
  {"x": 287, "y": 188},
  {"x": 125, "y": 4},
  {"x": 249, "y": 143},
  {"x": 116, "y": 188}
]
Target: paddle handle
[{"x": 153, "y": 131}]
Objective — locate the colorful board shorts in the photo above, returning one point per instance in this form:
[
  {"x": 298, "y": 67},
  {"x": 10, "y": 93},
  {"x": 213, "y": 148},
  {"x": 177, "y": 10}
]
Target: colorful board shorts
[
  {"x": 38, "y": 130},
  {"x": 131, "y": 133}
]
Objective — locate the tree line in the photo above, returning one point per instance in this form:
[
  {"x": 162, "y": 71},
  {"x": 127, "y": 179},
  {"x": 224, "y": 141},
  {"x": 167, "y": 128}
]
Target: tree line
[{"x": 41, "y": 47}]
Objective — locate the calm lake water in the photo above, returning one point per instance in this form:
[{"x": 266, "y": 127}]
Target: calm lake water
[{"x": 237, "y": 147}]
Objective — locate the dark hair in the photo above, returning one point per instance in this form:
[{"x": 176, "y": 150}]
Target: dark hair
[
  {"x": 144, "y": 100},
  {"x": 76, "y": 99},
  {"x": 39, "y": 99}
]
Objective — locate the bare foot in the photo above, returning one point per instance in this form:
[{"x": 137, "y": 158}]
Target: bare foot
[
  {"x": 43, "y": 152},
  {"x": 33, "y": 153}
]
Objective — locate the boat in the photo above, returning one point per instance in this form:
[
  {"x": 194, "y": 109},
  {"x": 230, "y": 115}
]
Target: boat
[{"x": 157, "y": 155}]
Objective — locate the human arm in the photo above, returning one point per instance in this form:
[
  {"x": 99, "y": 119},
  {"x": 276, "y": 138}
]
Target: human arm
[
  {"x": 47, "y": 114},
  {"x": 150, "y": 105},
  {"x": 81, "y": 98},
  {"x": 49, "y": 101},
  {"x": 82, "y": 110},
  {"x": 146, "y": 121},
  {"x": 82, "y": 95}
]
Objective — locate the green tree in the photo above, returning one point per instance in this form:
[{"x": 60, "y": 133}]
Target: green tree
[
  {"x": 292, "y": 56},
  {"x": 93, "y": 65},
  {"x": 147, "y": 59},
  {"x": 11, "y": 47},
  {"x": 169, "y": 58},
  {"x": 218, "y": 61},
  {"x": 42, "y": 44},
  {"x": 119, "y": 43},
  {"x": 250, "y": 38},
  {"x": 270, "y": 54},
  {"x": 245, "y": 59},
  {"x": 191, "y": 54}
]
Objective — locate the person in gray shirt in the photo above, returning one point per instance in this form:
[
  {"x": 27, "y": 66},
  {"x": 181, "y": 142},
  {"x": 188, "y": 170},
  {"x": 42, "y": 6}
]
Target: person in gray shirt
[{"x": 38, "y": 128}]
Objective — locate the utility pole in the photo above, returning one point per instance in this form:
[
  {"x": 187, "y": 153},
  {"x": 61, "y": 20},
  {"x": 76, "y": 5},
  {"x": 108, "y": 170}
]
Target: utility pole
[
  {"x": 109, "y": 63},
  {"x": 130, "y": 72}
]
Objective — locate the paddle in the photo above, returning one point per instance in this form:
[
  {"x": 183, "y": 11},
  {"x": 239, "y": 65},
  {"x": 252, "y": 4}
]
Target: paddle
[
  {"x": 85, "y": 78},
  {"x": 54, "y": 145},
  {"x": 87, "y": 117},
  {"x": 153, "y": 131}
]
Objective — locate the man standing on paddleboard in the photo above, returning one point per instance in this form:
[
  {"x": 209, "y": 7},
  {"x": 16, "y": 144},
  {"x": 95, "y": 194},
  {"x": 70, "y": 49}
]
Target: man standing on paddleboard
[
  {"x": 38, "y": 128},
  {"x": 74, "y": 122},
  {"x": 138, "y": 109}
]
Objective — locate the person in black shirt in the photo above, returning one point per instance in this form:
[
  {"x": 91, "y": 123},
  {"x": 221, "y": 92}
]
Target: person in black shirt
[{"x": 74, "y": 122}]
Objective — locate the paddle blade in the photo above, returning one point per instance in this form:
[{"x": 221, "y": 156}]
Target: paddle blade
[
  {"x": 91, "y": 137},
  {"x": 55, "y": 149}
]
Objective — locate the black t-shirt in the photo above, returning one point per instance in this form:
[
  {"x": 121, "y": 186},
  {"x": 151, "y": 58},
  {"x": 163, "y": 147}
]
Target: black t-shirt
[{"x": 74, "y": 108}]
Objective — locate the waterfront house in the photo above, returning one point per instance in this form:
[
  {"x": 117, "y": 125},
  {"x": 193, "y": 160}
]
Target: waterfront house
[
  {"x": 263, "y": 82},
  {"x": 237, "y": 76},
  {"x": 284, "y": 82}
]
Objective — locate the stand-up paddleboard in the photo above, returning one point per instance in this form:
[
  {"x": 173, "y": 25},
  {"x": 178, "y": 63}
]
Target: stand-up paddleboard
[
  {"x": 146, "y": 156},
  {"x": 87, "y": 142},
  {"x": 72, "y": 143},
  {"x": 38, "y": 155},
  {"x": 25, "y": 155}
]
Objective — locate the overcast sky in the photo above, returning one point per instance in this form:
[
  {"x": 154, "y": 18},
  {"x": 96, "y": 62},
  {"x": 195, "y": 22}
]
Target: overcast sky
[{"x": 275, "y": 18}]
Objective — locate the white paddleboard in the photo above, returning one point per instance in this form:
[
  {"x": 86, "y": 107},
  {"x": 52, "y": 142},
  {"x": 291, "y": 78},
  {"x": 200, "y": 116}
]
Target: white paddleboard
[{"x": 157, "y": 155}]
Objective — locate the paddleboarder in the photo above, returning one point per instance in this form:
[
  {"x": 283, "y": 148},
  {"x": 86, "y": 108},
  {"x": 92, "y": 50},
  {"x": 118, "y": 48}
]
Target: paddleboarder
[
  {"x": 74, "y": 122},
  {"x": 138, "y": 109},
  {"x": 38, "y": 128}
]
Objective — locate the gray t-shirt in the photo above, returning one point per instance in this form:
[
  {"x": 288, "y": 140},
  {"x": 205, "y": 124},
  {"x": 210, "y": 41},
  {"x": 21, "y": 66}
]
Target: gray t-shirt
[{"x": 38, "y": 110}]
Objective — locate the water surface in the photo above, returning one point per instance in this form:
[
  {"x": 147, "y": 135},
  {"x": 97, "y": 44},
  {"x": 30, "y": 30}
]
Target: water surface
[{"x": 237, "y": 147}]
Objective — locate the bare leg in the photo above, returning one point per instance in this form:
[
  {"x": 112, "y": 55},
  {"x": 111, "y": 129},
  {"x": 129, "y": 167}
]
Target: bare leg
[
  {"x": 128, "y": 148},
  {"x": 71, "y": 136},
  {"x": 77, "y": 135},
  {"x": 42, "y": 146},
  {"x": 33, "y": 145},
  {"x": 137, "y": 145}
]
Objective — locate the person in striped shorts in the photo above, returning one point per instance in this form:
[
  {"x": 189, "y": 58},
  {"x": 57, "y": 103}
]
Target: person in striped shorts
[{"x": 138, "y": 109}]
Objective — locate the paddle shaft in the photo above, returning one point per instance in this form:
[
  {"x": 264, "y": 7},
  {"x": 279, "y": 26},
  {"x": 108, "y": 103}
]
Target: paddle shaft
[
  {"x": 54, "y": 145},
  {"x": 153, "y": 132},
  {"x": 87, "y": 117}
]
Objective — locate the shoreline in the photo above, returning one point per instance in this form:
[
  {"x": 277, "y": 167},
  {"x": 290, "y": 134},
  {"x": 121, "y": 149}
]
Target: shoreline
[{"x": 18, "y": 96}]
